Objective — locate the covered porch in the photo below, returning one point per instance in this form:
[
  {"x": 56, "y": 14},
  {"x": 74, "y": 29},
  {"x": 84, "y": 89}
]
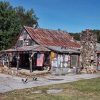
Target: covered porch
[
  {"x": 57, "y": 60},
  {"x": 27, "y": 57}
]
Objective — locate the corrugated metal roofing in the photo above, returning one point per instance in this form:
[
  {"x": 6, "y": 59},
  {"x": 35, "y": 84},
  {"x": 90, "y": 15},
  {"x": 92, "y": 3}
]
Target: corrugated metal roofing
[{"x": 51, "y": 37}]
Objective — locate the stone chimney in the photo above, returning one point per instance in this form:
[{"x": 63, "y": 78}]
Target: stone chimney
[{"x": 88, "y": 49}]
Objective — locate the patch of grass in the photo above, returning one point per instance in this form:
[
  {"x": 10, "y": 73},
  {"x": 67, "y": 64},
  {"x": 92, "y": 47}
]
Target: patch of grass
[
  {"x": 79, "y": 90},
  {"x": 91, "y": 85}
]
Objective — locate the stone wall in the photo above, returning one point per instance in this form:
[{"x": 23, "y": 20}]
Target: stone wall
[{"x": 88, "y": 49}]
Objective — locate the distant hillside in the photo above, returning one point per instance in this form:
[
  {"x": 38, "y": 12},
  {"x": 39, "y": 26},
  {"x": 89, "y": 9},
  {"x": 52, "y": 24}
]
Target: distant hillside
[{"x": 77, "y": 35}]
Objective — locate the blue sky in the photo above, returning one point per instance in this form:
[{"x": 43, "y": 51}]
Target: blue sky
[{"x": 69, "y": 15}]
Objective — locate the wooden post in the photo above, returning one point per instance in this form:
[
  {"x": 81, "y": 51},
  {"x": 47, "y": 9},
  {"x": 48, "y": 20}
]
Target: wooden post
[
  {"x": 97, "y": 61},
  {"x": 18, "y": 58},
  {"x": 78, "y": 60},
  {"x": 30, "y": 60},
  {"x": 8, "y": 62},
  {"x": 77, "y": 67},
  {"x": 63, "y": 59},
  {"x": 70, "y": 60}
]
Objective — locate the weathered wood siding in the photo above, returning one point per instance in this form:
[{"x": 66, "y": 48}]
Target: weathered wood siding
[{"x": 25, "y": 40}]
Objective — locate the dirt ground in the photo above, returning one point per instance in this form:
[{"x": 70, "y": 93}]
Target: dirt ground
[{"x": 10, "y": 82}]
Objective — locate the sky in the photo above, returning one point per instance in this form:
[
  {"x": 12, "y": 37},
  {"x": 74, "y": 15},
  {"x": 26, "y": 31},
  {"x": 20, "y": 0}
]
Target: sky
[{"x": 69, "y": 15}]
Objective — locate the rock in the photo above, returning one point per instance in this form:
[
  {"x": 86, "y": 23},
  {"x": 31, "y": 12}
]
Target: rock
[
  {"x": 39, "y": 91},
  {"x": 54, "y": 91}
]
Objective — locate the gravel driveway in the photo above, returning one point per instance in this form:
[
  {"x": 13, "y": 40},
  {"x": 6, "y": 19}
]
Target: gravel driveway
[{"x": 9, "y": 83}]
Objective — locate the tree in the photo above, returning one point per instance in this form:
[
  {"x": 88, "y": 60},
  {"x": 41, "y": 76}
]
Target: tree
[
  {"x": 11, "y": 21},
  {"x": 97, "y": 32},
  {"x": 28, "y": 17},
  {"x": 76, "y": 36},
  {"x": 9, "y": 25}
]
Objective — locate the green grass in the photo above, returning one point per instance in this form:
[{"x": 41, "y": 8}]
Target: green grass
[{"x": 79, "y": 90}]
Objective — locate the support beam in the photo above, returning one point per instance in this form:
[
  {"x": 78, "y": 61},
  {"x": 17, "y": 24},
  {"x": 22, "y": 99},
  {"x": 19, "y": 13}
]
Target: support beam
[
  {"x": 18, "y": 58},
  {"x": 8, "y": 61},
  {"x": 70, "y": 61},
  {"x": 98, "y": 61},
  {"x": 78, "y": 60},
  {"x": 78, "y": 67},
  {"x": 30, "y": 60}
]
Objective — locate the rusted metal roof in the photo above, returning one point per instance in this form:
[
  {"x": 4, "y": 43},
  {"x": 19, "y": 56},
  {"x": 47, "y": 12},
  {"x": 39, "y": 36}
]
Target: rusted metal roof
[{"x": 51, "y": 37}]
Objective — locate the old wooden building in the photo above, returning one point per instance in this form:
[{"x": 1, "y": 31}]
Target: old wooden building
[{"x": 42, "y": 48}]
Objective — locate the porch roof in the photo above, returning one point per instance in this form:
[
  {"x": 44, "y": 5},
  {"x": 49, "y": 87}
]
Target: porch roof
[
  {"x": 42, "y": 48},
  {"x": 27, "y": 48},
  {"x": 64, "y": 50}
]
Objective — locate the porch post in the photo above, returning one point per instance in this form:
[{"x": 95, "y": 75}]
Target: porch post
[
  {"x": 77, "y": 67},
  {"x": 70, "y": 61},
  {"x": 18, "y": 58},
  {"x": 30, "y": 60},
  {"x": 8, "y": 61},
  {"x": 97, "y": 61},
  {"x": 78, "y": 60}
]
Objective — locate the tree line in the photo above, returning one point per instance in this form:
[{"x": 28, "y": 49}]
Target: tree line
[
  {"x": 77, "y": 35},
  {"x": 12, "y": 19}
]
